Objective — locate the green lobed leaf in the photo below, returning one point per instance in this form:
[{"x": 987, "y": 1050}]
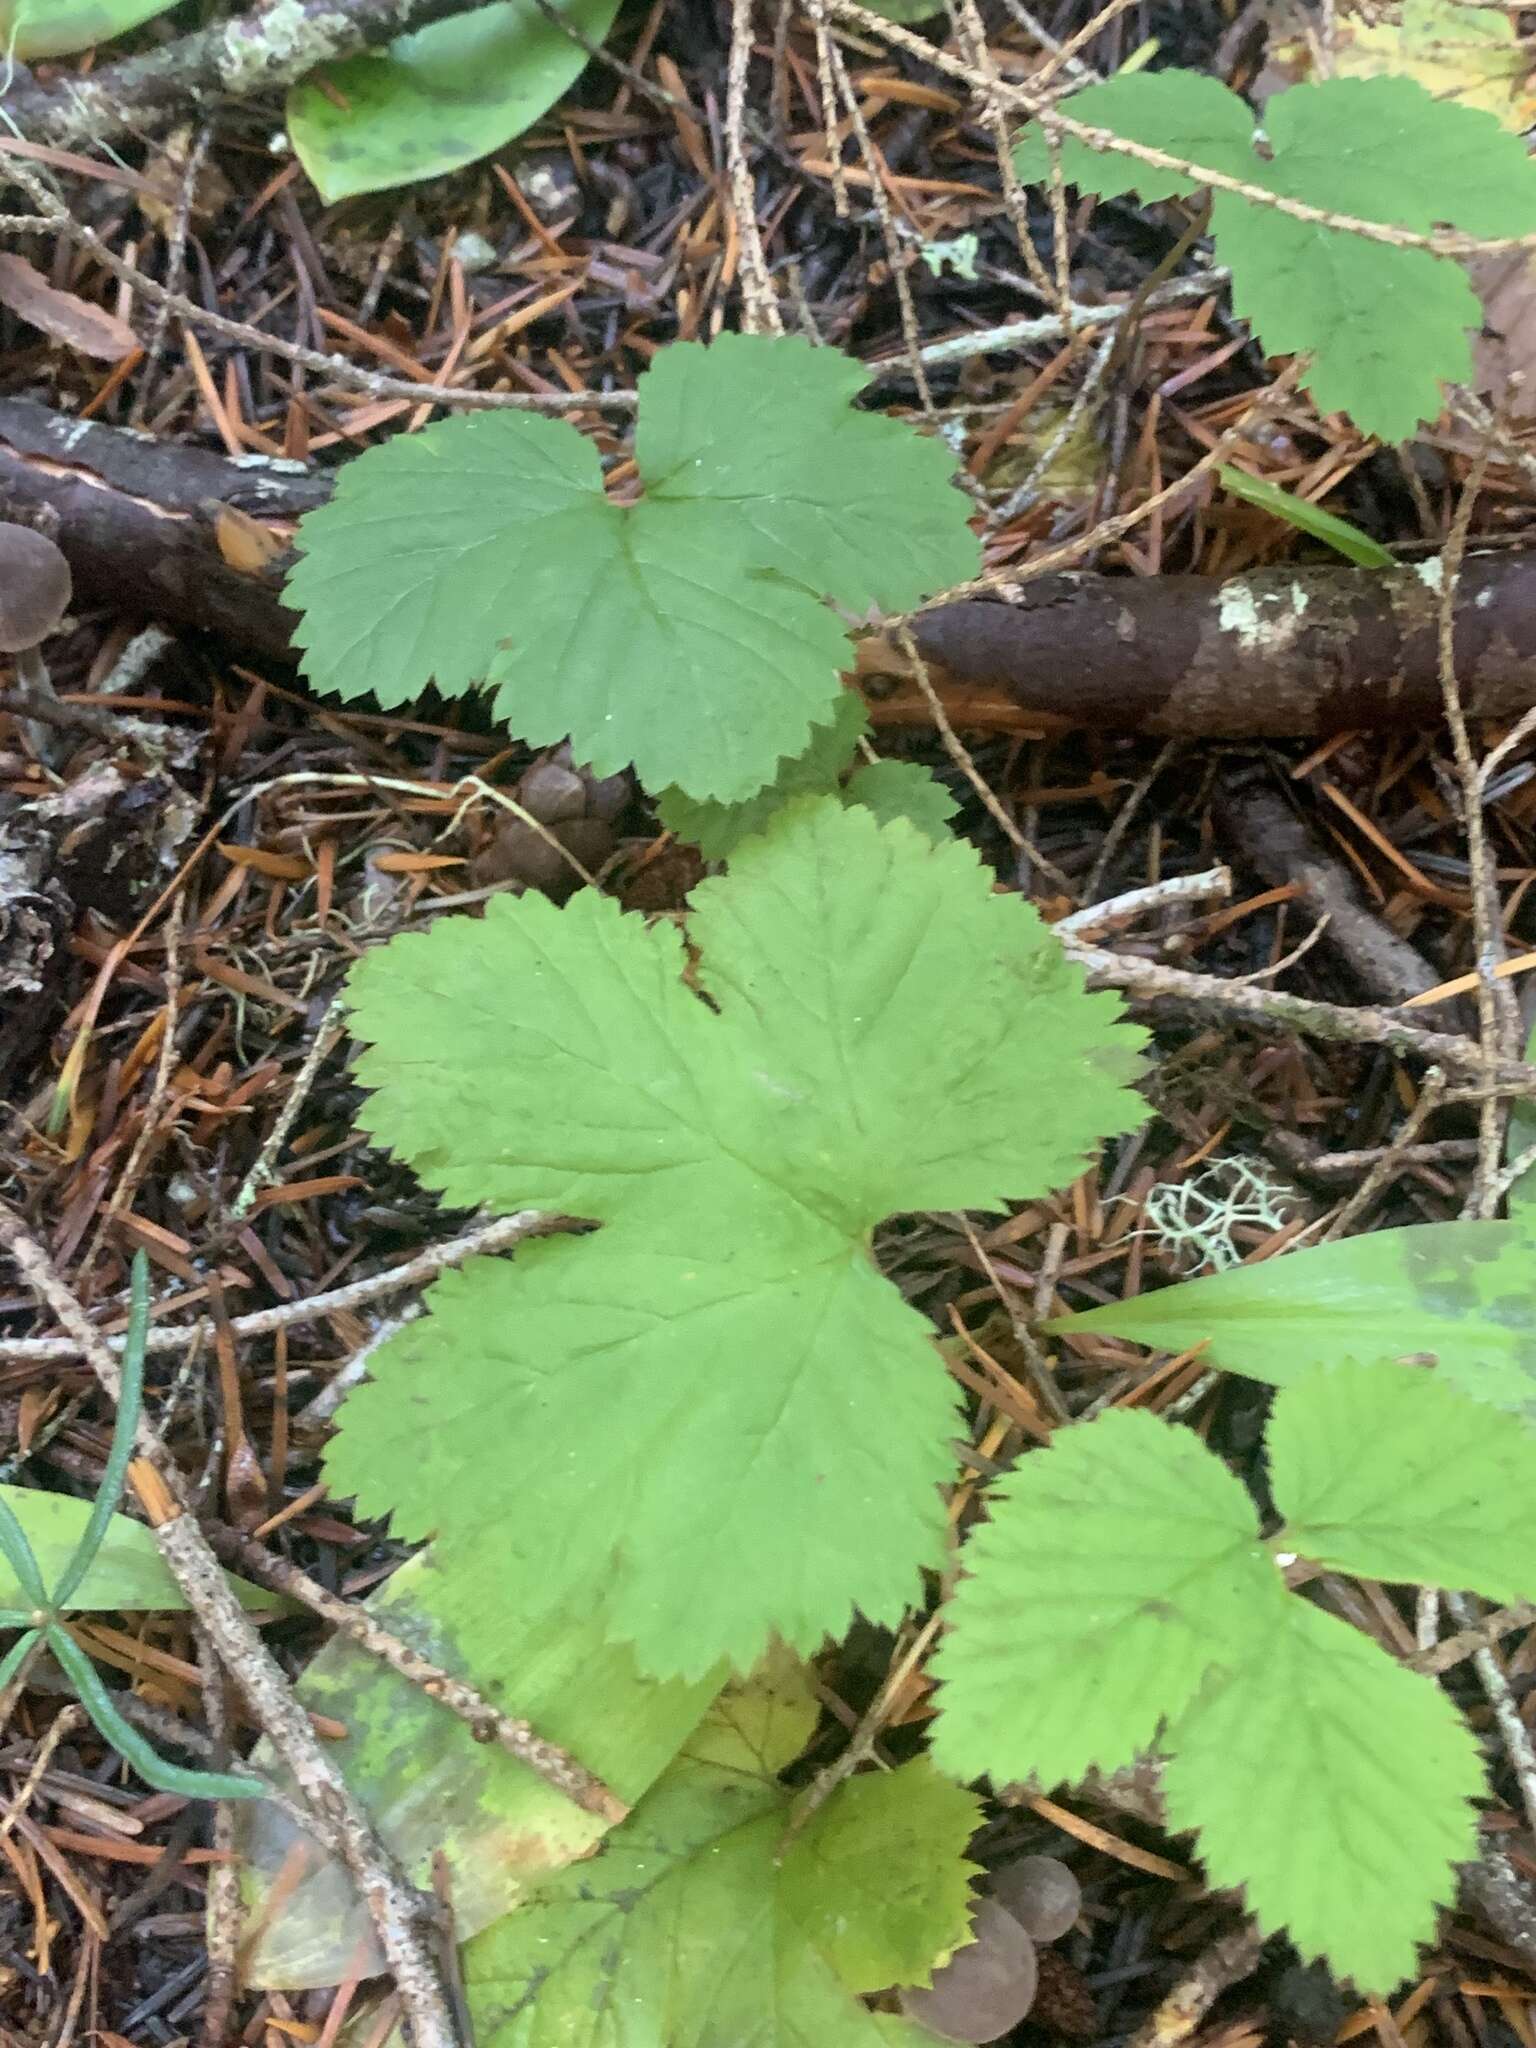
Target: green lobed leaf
[
  {"x": 1335, "y": 1788},
  {"x": 1457, "y": 1296},
  {"x": 880, "y": 1881},
  {"x": 689, "y": 1933},
  {"x": 437, "y": 100},
  {"x": 888, "y": 789},
  {"x": 721, "y": 1412},
  {"x": 430, "y": 1787},
  {"x": 127, "y": 1571},
  {"x": 1346, "y": 539},
  {"x": 1393, "y": 1474},
  {"x": 903, "y": 789},
  {"x": 686, "y": 633},
  {"x": 1116, "y": 1568},
  {"x": 1384, "y": 326},
  {"x": 716, "y": 829}
]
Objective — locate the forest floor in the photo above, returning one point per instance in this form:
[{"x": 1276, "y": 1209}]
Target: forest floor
[{"x": 181, "y": 1082}]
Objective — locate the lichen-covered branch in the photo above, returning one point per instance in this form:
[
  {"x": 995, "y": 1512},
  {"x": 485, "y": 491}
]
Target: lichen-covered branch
[{"x": 263, "y": 51}]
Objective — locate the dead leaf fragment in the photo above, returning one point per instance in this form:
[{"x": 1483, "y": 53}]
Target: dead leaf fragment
[
  {"x": 1470, "y": 55},
  {"x": 1506, "y": 348},
  {"x": 67, "y": 319}
]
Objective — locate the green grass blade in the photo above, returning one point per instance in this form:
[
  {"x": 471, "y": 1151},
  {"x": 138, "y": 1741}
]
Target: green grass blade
[
  {"x": 130, "y": 1403},
  {"x": 11, "y": 1662},
  {"x": 18, "y": 1554},
  {"x": 129, "y": 1744}
]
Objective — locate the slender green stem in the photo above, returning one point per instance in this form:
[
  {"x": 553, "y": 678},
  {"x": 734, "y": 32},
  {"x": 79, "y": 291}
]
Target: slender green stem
[
  {"x": 11, "y": 1662},
  {"x": 130, "y": 1403},
  {"x": 18, "y": 1554},
  {"x": 127, "y": 1741},
  {"x": 17, "y": 1617}
]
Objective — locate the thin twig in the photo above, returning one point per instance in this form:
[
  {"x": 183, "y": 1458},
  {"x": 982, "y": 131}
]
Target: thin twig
[
  {"x": 492, "y": 1236},
  {"x": 401, "y": 1915}
]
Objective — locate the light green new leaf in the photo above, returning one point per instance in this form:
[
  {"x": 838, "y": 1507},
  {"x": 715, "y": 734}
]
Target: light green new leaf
[
  {"x": 889, "y": 789},
  {"x": 1336, "y": 1788},
  {"x": 721, "y": 1413},
  {"x": 1117, "y": 1567},
  {"x": 717, "y": 829},
  {"x": 1344, "y": 538},
  {"x": 435, "y": 101},
  {"x": 903, "y": 789},
  {"x": 127, "y": 1571},
  {"x": 687, "y": 1933},
  {"x": 1384, "y": 326},
  {"x": 881, "y": 1882},
  {"x": 429, "y": 1786},
  {"x": 1458, "y": 1296},
  {"x": 685, "y": 633},
  {"x": 57, "y": 28},
  {"x": 1393, "y": 1474}
]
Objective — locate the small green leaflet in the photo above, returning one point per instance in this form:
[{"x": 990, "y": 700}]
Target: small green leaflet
[
  {"x": 1336, "y": 1788},
  {"x": 1141, "y": 1558},
  {"x": 1384, "y": 326},
  {"x": 891, "y": 789},
  {"x": 685, "y": 633},
  {"x": 1455, "y": 1295},
  {"x": 127, "y": 1571},
  {"x": 436, "y": 100},
  {"x": 688, "y": 1931},
  {"x": 1295, "y": 1745},
  {"x": 1389, "y": 1473},
  {"x": 1306, "y": 517},
  {"x": 721, "y": 1363}
]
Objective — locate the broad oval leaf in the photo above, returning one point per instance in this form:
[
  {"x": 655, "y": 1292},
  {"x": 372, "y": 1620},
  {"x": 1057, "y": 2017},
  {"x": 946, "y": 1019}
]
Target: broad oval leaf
[
  {"x": 1454, "y": 1296},
  {"x": 437, "y": 100},
  {"x": 57, "y": 28},
  {"x": 127, "y": 1571}
]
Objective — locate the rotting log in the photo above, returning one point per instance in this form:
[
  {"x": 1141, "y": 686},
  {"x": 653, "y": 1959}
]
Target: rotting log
[
  {"x": 164, "y": 530},
  {"x": 1273, "y": 654}
]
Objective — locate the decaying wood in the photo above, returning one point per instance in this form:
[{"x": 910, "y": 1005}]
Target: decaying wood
[
  {"x": 158, "y": 529},
  {"x": 139, "y": 521},
  {"x": 1277, "y": 653}
]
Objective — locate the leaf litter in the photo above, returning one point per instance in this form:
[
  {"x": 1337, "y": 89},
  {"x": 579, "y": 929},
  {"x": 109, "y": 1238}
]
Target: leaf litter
[{"x": 104, "y": 1114}]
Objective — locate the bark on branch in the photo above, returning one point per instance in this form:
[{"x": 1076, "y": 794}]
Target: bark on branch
[
  {"x": 1276, "y": 653},
  {"x": 263, "y": 51}
]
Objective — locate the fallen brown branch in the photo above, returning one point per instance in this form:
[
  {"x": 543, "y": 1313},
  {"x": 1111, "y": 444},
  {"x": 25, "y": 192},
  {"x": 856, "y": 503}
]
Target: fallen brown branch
[
  {"x": 1278, "y": 652},
  {"x": 156, "y": 527}
]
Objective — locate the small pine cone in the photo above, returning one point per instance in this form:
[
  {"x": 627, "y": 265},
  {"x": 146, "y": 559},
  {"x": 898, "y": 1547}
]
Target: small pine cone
[{"x": 1063, "y": 2003}]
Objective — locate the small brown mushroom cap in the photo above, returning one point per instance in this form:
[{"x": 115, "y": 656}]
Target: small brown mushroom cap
[{"x": 35, "y": 587}]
